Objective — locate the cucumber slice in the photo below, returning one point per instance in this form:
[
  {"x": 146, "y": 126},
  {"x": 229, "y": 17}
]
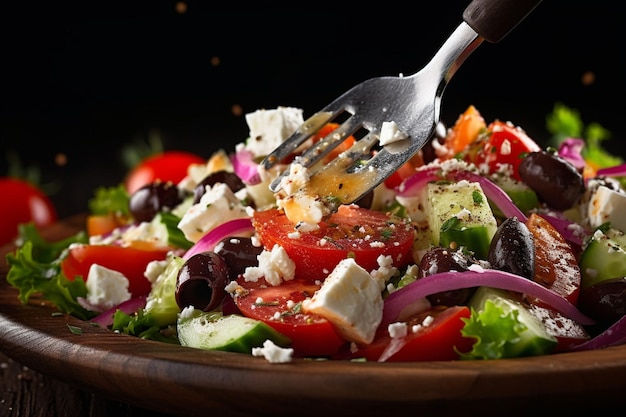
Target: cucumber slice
[
  {"x": 161, "y": 302},
  {"x": 604, "y": 257},
  {"x": 231, "y": 333},
  {"x": 460, "y": 215},
  {"x": 499, "y": 339},
  {"x": 524, "y": 197}
]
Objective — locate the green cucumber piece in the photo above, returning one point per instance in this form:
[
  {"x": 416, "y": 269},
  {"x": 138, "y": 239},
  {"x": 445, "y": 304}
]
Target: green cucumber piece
[
  {"x": 524, "y": 197},
  {"x": 604, "y": 257},
  {"x": 231, "y": 333},
  {"x": 513, "y": 332},
  {"x": 460, "y": 215},
  {"x": 161, "y": 302}
]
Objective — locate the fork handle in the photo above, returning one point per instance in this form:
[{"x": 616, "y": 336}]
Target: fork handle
[{"x": 494, "y": 19}]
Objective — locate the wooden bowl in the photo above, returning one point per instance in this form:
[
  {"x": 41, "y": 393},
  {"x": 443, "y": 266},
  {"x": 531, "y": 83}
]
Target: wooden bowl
[{"x": 193, "y": 382}]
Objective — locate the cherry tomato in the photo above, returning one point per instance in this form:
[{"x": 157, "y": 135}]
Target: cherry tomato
[
  {"x": 556, "y": 267},
  {"x": 504, "y": 144},
  {"x": 311, "y": 335},
  {"x": 350, "y": 232},
  {"x": 440, "y": 340},
  {"x": 167, "y": 166},
  {"x": 23, "y": 203},
  {"x": 130, "y": 261}
]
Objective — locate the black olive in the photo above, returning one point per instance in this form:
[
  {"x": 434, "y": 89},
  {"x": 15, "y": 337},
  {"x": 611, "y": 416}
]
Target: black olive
[
  {"x": 439, "y": 259},
  {"x": 604, "y": 301},
  {"x": 153, "y": 198},
  {"x": 512, "y": 249},
  {"x": 201, "y": 281},
  {"x": 555, "y": 180},
  {"x": 225, "y": 177},
  {"x": 239, "y": 253}
]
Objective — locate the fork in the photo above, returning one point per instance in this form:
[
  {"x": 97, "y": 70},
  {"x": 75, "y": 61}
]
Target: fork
[{"x": 409, "y": 106}]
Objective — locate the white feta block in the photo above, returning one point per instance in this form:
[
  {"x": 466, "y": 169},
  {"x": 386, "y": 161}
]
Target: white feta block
[
  {"x": 218, "y": 205},
  {"x": 106, "y": 288},
  {"x": 269, "y": 128},
  {"x": 351, "y": 300}
]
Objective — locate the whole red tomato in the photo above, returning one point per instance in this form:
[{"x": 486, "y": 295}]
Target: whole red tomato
[
  {"x": 24, "y": 203},
  {"x": 165, "y": 166}
]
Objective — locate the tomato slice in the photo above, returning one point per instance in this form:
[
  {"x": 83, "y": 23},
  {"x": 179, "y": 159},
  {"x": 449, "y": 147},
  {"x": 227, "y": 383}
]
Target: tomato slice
[
  {"x": 350, "y": 232},
  {"x": 441, "y": 340},
  {"x": 568, "y": 332},
  {"x": 505, "y": 144},
  {"x": 556, "y": 266},
  {"x": 465, "y": 131},
  {"x": 130, "y": 261},
  {"x": 311, "y": 334}
]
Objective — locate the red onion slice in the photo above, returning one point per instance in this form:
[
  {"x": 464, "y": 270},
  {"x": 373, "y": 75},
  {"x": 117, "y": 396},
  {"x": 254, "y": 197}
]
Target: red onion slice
[
  {"x": 447, "y": 281},
  {"x": 105, "y": 319},
  {"x": 236, "y": 227},
  {"x": 613, "y": 336},
  {"x": 614, "y": 171},
  {"x": 245, "y": 167}
]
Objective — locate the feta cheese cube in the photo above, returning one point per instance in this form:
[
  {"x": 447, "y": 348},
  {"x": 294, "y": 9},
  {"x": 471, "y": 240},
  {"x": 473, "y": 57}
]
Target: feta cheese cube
[
  {"x": 218, "y": 205},
  {"x": 607, "y": 205},
  {"x": 275, "y": 266},
  {"x": 351, "y": 300},
  {"x": 106, "y": 288},
  {"x": 269, "y": 128}
]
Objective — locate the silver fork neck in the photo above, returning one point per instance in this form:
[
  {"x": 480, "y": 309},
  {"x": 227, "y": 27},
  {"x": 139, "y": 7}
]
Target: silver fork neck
[{"x": 455, "y": 50}]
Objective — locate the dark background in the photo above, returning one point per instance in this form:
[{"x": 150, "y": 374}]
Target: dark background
[{"x": 83, "y": 79}]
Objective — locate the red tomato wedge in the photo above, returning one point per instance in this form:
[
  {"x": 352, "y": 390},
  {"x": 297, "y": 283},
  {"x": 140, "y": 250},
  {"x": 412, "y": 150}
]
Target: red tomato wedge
[
  {"x": 505, "y": 144},
  {"x": 350, "y": 232},
  {"x": 311, "y": 335},
  {"x": 130, "y": 261},
  {"x": 556, "y": 266},
  {"x": 568, "y": 332},
  {"x": 438, "y": 341}
]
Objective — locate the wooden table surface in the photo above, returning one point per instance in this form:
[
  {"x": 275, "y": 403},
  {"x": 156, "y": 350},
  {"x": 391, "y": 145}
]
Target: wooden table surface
[{"x": 26, "y": 393}]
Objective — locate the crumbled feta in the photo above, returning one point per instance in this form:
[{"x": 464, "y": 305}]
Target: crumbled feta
[
  {"x": 273, "y": 353},
  {"x": 217, "y": 205},
  {"x": 351, "y": 300},
  {"x": 154, "y": 269},
  {"x": 106, "y": 288},
  {"x": 275, "y": 266},
  {"x": 390, "y": 133},
  {"x": 269, "y": 128},
  {"x": 187, "y": 312},
  {"x": 398, "y": 330}
]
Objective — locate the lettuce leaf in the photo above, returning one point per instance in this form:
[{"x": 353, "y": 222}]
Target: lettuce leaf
[{"x": 35, "y": 269}]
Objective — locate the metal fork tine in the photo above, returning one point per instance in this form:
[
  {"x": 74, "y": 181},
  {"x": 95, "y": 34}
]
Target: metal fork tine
[
  {"x": 310, "y": 126},
  {"x": 323, "y": 147}
]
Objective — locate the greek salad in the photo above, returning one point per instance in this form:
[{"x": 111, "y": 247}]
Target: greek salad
[{"x": 485, "y": 245}]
